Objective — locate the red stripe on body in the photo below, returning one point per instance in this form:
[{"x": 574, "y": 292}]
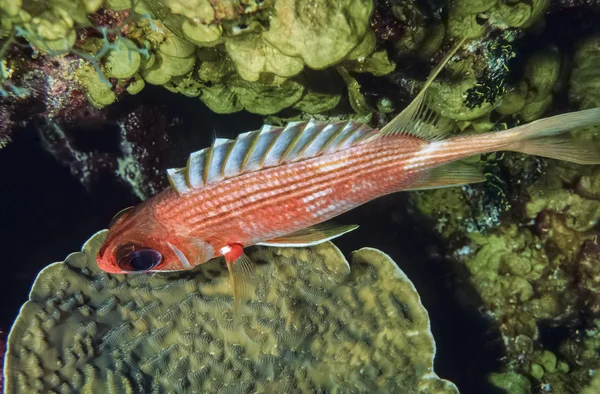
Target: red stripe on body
[{"x": 272, "y": 202}]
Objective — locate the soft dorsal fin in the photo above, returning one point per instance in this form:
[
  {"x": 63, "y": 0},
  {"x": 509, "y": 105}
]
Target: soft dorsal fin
[
  {"x": 268, "y": 147},
  {"x": 418, "y": 118}
]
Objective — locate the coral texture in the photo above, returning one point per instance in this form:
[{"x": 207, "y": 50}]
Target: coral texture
[
  {"x": 529, "y": 236},
  {"x": 312, "y": 322},
  {"x": 254, "y": 47}
]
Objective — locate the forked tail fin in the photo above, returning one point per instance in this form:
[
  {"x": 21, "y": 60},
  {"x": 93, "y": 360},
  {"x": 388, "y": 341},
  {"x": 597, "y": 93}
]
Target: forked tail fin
[{"x": 543, "y": 137}]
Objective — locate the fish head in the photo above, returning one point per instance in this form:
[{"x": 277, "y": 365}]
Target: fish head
[{"x": 138, "y": 243}]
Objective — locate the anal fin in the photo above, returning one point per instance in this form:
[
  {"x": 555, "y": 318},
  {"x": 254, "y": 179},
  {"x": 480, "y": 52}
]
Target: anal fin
[
  {"x": 448, "y": 175},
  {"x": 310, "y": 236}
]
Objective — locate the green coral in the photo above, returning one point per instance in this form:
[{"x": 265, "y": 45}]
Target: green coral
[
  {"x": 321, "y": 33},
  {"x": 594, "y": 386},
  {"x": 252, "y": 56},
  {"x": 51, "y": 26},
  {"x": 124, "y": 60},
  {"x": 312, "y": 323},
  {"x": 585, "y": 77},
  {"x": 539, "y": 265},
  {"x": 466, "y": 16},
  {"x": 263, "y": 46},
  {"x": 259, "y": 67},
  {"x": 98, "y": 94},
  {"x": 511, "y": 383}
]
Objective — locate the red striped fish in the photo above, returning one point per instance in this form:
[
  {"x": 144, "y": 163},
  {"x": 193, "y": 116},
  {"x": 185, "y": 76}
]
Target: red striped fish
[{"x": 277, "y": 186}]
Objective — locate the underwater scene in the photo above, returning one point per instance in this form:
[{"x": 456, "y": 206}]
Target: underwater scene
[{"x": 300, "y": 196}]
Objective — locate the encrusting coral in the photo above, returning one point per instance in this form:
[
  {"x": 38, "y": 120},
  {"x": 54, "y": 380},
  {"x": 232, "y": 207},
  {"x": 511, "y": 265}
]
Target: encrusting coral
[
  {"x": 312, "y": 322},
  {"x": 537, "y": 268},
  {"x": 259, "y": 48}
]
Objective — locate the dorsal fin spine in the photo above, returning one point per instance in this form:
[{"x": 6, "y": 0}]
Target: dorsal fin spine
[
  {"x": 207, "y": 161},
  {"x": 229, "y": 150},
  {"x": 177, "y": 180},
  {"x": 189, "y": 167},
  {"x": 292, "y": 144},
  {"x": 342, "y": 141},
  {"x": 312, "y": 139},
  {"x": 331, "y": 138},
  {"x": 266, "y": 153},
  {"x": 250, "y": 151}
]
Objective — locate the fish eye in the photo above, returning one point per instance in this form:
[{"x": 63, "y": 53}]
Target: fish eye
[
  {"x": 118, "y": 216},
  {"x": 137, "y": 258}
]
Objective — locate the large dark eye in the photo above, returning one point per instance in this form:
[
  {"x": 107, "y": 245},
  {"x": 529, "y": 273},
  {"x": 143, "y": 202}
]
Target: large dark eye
[{"x": 136, "y": 258}]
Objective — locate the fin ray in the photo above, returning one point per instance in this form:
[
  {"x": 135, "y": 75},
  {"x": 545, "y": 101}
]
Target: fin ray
[
  {"x": 270, "y": 146},
  {"x": 240, "y": 272},
  {"x": 542, "y": 137},
  {"x": 310, "y": 236},
  {"x": 561, "y": 148},
  {"x": 448, "y": 175},
  {"x": 419, "y": 118}
]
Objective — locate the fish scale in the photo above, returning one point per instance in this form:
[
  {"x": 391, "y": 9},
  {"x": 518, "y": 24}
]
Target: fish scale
[{"x": 255, "y": 194}]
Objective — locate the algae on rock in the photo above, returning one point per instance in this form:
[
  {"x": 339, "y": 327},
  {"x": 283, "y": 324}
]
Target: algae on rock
[{"x": 311, "y": 322}]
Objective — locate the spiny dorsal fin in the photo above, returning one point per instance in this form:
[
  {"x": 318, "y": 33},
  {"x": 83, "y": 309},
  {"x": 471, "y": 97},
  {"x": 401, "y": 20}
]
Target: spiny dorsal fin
[
  {"x": 268, "y": 147},
  {"x": 419, "y": 119}
]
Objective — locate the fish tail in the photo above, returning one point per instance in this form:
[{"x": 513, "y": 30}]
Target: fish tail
[{"x": 545, "y": 137}]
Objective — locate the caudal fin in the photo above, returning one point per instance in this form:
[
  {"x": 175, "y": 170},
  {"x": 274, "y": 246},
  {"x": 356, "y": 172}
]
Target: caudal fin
[{"x": 543, "y": 137}]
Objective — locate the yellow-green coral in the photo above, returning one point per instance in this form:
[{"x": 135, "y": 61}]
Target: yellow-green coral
[
  {"x": 465, "y": 15},
  {"x": 322, "y": 33},
  {"x": 123, "y": 61},
  {"x": 49, "y": 26},
  {"x": 252, "y": 56},
  {"x": 97, "y": 92},
  {"x": 594, "y": 386},
  {"x": 313, "y": 322},
  {"x": 585, "y": 77},
  {"x": 262, "y": 43},
  {"x": 541, "y": 75}
]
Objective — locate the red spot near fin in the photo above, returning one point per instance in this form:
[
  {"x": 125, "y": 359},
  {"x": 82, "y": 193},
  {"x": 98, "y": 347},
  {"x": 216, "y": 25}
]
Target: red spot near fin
[{"x": 232, "y": 252}]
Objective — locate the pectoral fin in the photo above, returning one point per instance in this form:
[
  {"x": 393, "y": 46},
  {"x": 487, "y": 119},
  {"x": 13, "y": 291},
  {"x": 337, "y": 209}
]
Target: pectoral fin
[
  {"x": 449, "y": 175},
  {"x": 310, "y": 236},
  {"x": 240, "y": 271}
]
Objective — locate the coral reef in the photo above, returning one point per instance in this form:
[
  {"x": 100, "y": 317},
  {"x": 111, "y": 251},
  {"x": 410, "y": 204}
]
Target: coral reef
[
  {"x": 312, "y": 322},
  {"x": 233, "y": 56},
  {"x": 528, "y": 237}
]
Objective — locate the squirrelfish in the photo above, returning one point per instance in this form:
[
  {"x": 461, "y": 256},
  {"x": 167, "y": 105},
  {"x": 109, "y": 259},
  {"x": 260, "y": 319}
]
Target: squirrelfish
[{"x": 277, "y": 186}]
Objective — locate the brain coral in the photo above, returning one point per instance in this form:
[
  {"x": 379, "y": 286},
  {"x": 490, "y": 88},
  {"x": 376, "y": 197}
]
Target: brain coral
[{"x": 314, "y": 323}]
